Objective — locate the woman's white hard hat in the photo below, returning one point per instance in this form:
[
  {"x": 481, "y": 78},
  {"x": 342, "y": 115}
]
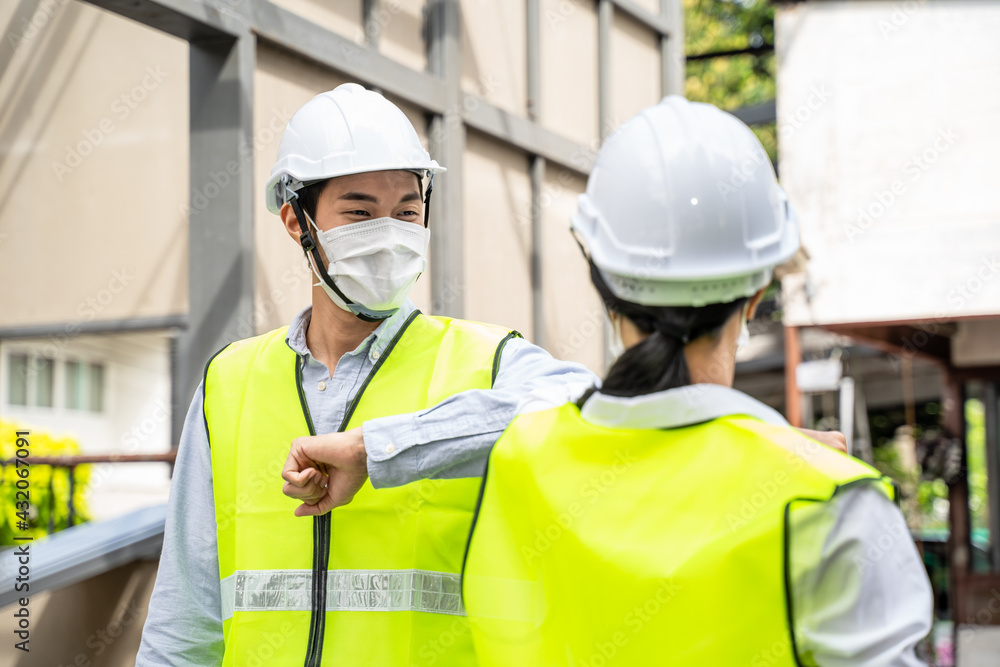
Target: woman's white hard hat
[
  {"x": 683, "y": 208},
  {"x": 348, "y": 130}
]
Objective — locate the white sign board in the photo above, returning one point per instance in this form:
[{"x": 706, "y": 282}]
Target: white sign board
[{"x": 889, "y": 139}]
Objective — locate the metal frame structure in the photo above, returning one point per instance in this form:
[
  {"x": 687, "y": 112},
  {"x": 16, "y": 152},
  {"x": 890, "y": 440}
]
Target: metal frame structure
[{"x": 223, "y": 37}]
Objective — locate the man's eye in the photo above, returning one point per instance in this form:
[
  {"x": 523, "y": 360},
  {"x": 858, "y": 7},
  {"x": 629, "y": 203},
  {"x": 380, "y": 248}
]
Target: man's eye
[
  {"x": 410, "y": 213},
  {"x": 359, "y": 212}
]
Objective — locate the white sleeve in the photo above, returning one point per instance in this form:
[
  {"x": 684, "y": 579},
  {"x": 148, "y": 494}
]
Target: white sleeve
[{"x": 869, "y": 601}]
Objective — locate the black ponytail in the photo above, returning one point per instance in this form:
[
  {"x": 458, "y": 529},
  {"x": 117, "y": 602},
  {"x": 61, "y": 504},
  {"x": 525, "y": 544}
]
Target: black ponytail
[{"x": 657, "y": 363}]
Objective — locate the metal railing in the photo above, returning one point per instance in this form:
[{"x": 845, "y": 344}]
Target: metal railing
[{"x": 69, "y": 463}]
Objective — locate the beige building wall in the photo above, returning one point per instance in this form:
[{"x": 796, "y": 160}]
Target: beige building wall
[
  {"x": 93, "y": 167},
  {"x": 635, "y": 58},
  {"x": 398, "y": 27},
  {"x": 569, "y": 70},
  {"x": 343, "y": 17},
  {"x": 652, "y": 6},
  {"x": 887, "y": 114},
  {"x": 497, "y": 231},
  {"x": 114, "y": 240},
  {"x": 494, "y": 63},
  {"x": 93, "y": 623},
  {"x": 282, "y": 84},
  {"x": 574, "y": 315}
]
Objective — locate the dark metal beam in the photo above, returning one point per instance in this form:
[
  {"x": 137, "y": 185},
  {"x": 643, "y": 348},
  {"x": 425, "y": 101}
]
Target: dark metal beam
[
  {"x": 429, "y": 91},
  {"x": 605, "y": 19},
  {"x": 748, "y": 51},
  {"x": 362, "y": 63},
  {"x": 758, "y": 114},
  {"x": 447, "y": 143},
  {"x": 187, "y": 19},
  {"x": 536, "y": 167},
  {"x": 991, "y": 402},
  {"x": 673, "y": 69},
  {"x": 370, "y": 27},
  {"x": 793, "y": 357},
  {"x": 959, "y": 549},
  {"x": 526, "y": 135},
  {"x": 80, "y": 328},
  {"x": 661, "y": 24},
  {"x": 900, "y": 340},
  {"x": 220, "y": 229}
]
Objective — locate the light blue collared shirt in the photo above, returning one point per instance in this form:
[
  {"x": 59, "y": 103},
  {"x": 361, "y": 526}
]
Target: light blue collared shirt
[{"x": 451, "y": 439}]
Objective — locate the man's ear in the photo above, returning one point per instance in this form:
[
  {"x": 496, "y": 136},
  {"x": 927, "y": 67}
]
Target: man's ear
[
  {"x": 754, "y": 302},
  {"x": 291, "y": 223}
]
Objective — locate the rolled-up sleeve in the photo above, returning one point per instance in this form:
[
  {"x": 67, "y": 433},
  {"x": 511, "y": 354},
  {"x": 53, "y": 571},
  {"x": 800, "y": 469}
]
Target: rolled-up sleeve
[
  {"x": 184, "y": 621},
  {"x": 868, "y": 602},
  {"x": 453, "y": 438}
]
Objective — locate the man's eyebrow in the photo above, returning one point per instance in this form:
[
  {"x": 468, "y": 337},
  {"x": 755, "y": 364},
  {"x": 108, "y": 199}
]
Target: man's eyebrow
[
  {"x": 358, "y": 196},
  {"x": 412, "y": 196}
]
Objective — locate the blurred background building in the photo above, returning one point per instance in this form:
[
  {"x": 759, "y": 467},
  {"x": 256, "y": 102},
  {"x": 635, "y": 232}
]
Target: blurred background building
[{"x": 136, "y": 136}]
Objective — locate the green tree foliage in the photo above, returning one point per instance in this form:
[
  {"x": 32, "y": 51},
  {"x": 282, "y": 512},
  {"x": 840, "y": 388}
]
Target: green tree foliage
[{"x": 731, "y": 82}]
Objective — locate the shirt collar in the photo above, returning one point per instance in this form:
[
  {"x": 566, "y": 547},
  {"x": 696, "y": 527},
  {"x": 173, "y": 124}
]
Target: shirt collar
[
  {"x": 374, "y": 344},
  {"x": 673, "y": 408}
]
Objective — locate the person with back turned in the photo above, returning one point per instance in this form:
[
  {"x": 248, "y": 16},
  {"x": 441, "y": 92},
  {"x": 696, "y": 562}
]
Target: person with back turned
[{"x": 665, "y": 518}]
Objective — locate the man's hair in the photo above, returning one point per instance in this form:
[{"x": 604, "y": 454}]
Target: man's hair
[{"x": 309, "y": 196}]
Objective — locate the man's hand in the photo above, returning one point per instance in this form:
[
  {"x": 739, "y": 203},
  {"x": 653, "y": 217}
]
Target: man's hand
[
  {"x": 325, "y": 471},
  {"x": 832, "y": 439}
]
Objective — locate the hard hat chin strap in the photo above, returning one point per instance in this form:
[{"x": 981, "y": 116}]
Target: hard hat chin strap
[
  {"x": 427, "y": 195},
  {"x": 427, "y": 199},
  {"x": 309, "y": 246}
]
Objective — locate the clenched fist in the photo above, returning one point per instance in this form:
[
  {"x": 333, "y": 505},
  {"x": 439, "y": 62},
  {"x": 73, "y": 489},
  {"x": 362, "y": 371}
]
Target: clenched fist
[{"x": 325, "y": 471}]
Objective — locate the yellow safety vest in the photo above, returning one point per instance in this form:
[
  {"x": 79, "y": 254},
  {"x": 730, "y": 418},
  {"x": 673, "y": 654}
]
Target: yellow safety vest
[
  {"x": 372, "y": 583},
  {"x": 599, "y": 546}
]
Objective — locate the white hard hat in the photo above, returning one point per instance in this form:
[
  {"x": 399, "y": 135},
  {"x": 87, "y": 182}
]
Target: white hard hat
[
  {"x": 348, "y": 130},
  {"x": 683, "y": 208}
]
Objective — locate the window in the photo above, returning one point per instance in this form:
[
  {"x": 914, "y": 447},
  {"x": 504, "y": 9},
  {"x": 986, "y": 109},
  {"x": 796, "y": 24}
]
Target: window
[
  {"x": 84, "y": 386},
  {"x": 44, "y": 374},
  {"x": 17, "y": 387},
  {"x": 30, "y": 380}
]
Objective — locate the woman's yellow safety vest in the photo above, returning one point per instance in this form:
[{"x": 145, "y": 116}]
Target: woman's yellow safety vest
[
  {"x": 372, "y": 583},
  {"x": 597, "y": 546}
]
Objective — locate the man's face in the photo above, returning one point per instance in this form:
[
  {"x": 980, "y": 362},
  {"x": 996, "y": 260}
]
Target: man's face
[
  {"x": 376, "y": 194},
  {"x": 360, "y": 197}
]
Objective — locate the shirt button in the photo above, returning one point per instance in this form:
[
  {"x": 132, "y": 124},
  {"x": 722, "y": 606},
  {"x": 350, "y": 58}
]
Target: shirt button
[
  {"x": 321, "y": 386},
  {"x": 390, "y": 448},
  {"x": 375, "y": 355}
]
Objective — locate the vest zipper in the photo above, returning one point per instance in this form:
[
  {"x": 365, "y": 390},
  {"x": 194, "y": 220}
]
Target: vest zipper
[
  {"x": 321, "y": 555},
  {"x": 322, "y": 527}
]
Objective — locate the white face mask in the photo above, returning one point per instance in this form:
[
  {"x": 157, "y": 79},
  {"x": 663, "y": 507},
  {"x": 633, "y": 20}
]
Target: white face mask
[
  {"x": 616, "y": 346},
  {"x": 744, "y": 338},
  {"x": 374, "y": 263}
]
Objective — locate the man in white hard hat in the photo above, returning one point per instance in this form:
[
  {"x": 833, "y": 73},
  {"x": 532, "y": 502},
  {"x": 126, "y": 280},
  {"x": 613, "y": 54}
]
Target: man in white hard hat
[{"x": 406, "y": 401}]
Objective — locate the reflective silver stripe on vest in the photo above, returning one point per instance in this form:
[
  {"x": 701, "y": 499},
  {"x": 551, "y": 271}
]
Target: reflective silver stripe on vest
[{"x": 346, "y": 590}]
